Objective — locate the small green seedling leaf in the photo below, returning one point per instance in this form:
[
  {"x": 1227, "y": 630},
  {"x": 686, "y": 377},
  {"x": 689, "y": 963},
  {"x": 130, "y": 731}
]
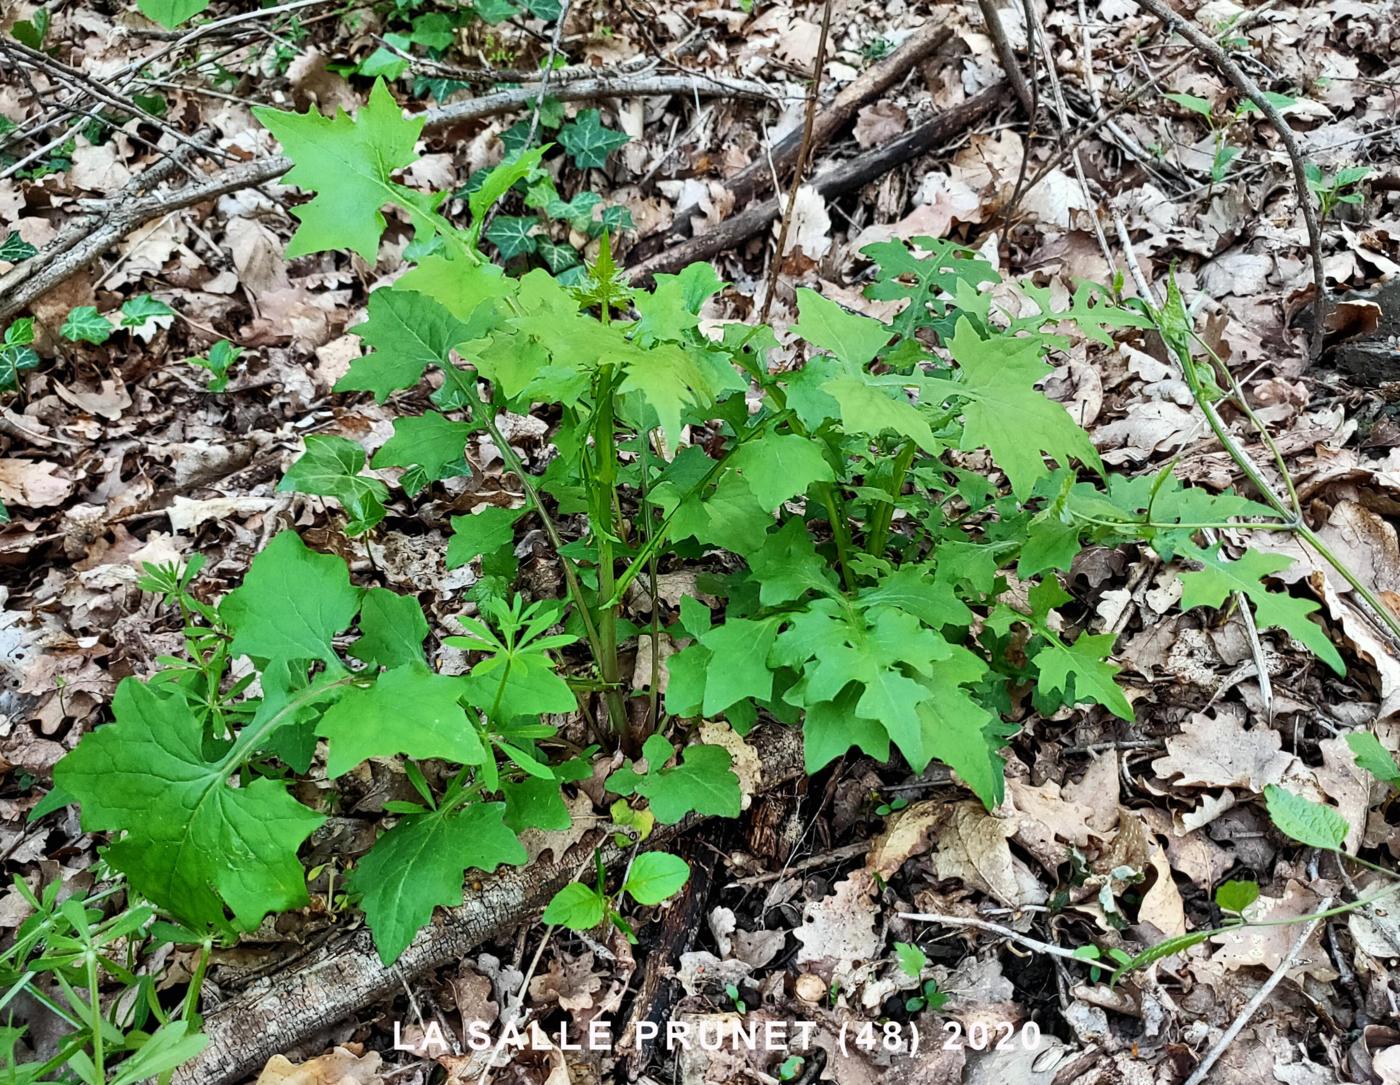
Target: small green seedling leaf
[
  {"x": 577, "y": 906},
  {"x": 1236, "y": 896},
  {"x": 1373, "y": 757},
  {"x": 655, "y": 876},
  {"x": 912, "y": 959}
]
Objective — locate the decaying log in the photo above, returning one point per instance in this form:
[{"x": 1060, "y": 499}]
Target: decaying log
[
  {"x": 836, "y": 181},
  {"x": 279, "y": 1012}
]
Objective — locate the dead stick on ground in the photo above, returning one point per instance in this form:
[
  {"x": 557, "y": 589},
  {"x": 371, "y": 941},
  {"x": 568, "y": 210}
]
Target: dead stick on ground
[
  {"x": 113, "y": 219},
  {"x": 996, "y": 30},
  {"x": 804, "y": 153},
  {"x": 1246, "y": 86},
  {"x": 756, "y": 178},
  {"x": 1252, "y": 1006},
  {"x": 993, "y": 928},
  {"x": 929, "y": 136},
  {"x": 276, "y": 1014}
]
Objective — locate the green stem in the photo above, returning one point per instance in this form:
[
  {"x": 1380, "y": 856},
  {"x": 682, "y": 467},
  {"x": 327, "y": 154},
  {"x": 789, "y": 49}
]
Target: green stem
[
  {"x": 1380, "y": 612},
  {"x": 95, "y": 1000},
  {"x": 512, "y": 461},
  {"x": 658, "y": 538},
  {"x": 879, "y": 532},
  {"x": 604, "y": 495}
]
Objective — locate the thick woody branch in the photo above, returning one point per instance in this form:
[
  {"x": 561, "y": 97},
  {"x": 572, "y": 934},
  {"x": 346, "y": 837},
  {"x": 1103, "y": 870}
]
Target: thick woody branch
[{"x": 107, "y": 222}]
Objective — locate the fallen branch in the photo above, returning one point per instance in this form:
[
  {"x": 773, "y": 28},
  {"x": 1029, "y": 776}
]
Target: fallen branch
[
  {"x": 840, "y": 179},
  {"x": 757, "y": 177},
  {"x": 277, "y": 1013},
  {"x": 106, "y": 222}
]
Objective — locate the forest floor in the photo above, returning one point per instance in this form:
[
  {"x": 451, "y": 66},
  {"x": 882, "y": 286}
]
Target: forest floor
[{"x": 1142, "y": 158}]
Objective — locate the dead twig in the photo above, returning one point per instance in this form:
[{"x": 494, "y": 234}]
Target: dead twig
[
  {"x": 996, "y": 30},
  {"x": 1260, "y": 996},
  {"x": 846, "y": 177},
  {"x": 757, "y": 177},
  {"x": 1217, "y": 55},
  {"x": 799, "y": 168},
  {"x": 334, "y": 981},
  {"x": 993, "y": 928}
]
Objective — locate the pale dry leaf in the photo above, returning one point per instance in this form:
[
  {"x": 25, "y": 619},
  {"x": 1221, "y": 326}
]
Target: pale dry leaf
[
  {"x": 257, "y": 256},
  {"x": 34, "y": 484},
  {"x": 98, "y": 168},
  {"x": 340, "y": 1067},
  {"x": 1047, "y": 824},
  {"x": 1098, "y": 789},
  {"x": 810, "y": 225},
  {"x": 838, "y": 932},
  {"x": 972, "y": 847},
  {"x": 570, "y": 982},
  {"x": 1217, "y": 751},
  {"x": 1162, "y": 905},
  {"x": 907, "y": 833},
  {"x": 187, "y": 513},
  {"x": 1268, "y": 947},
  {"x": 879, "y": 123}
]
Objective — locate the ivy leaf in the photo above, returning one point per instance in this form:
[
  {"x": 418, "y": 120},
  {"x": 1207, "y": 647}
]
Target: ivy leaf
[
  {"x": 556, "y": 257},
  {"x": 139, "y": 311},
  {"x": 421, "y": 863},
  {"x": 171, "y": 13},
  {"x": 853, "y": 338},
  {"x": 409, "y": 331},
  {"x": 14, "y": 249},
  {"x": 588, "y": 142},
  {"x": 192, "y": 843},
  {"x": 16, "y": 355},
  {"x": 429, "y": 441},
  {"x": 577, "y": 212},
  {"x": 1308, "y": 822},
  {"x": 330, "y": 467},
  {"x": 348, "y": 163},
  {"x": 655, "y": 876},
  {"x": 1211, "y": 586},
  {"x": 511, "y": 235},
  {"x": 85, "y": 324},
  {"x": 392, "y": 629},
  {"x": 1079, "y": 672},
  {"x": 427, "y": 719},
  {"x": 577, "y": 906},
  {"x": 482, "y": 532},
  {"x": 291, "y": 604},
  {"x": 1007, "y": 415},
  {"x": 1373, "y": 757},
  {"x": 500, "y": 180},
  {"x": 779, "y": 467}
]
